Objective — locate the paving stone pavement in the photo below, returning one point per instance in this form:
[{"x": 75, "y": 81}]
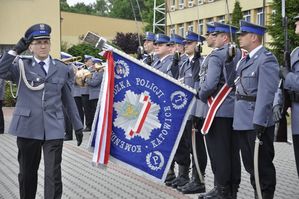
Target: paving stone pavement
[{"x": 82, "y": 180}]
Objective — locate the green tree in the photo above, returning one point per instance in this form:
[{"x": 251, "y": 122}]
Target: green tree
[
  {"x": 83, "y": 49},
  {"x": 237, "y": 14},
  {"x": 64, "y": 6},
  {"x": 276, "y": 31},
  {"x": 123, "y": 9},
  {"x": 102, "y": 7},
  {"x": 148, "y": 13}
]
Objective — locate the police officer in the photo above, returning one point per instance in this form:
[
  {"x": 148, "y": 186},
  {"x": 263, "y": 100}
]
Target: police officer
[
  {"x": 202, "y": 108},
  {"x": 178, "y": 50},
  {"x": 94, "y": 84},
  {"x": 221, "y": 140},
  {"x": 148, "y": 45},
  {"x": 38, "y": 117},
  {"x": 291, "y": 84},
  {"x": 2, "y": 93},
  {"x": 88, "y": 61},
  {"x": 255, "y": 89},
  {"x": 189, "y": 73},
  {"x": 163, "y": 52}
]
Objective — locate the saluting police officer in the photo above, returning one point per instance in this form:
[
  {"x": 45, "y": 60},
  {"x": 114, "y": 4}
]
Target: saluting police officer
[
  {"x": 291, "y": 84},
  {"x": 221, "y": 139},
  {"x": 38, "y": 119},
  {"x": 255, "y": 89},
  {"x": 148, "y": 44},
  {"x": 189, "y": 71}
]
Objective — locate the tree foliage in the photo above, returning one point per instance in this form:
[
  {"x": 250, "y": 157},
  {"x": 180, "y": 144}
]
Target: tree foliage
[
  {"x": 128, "y": 42},
  {"x": 275, "y": 27},
  {"x": 83, "y": 49},
  {"x": 237, "y": 14},
  {"x": 148, "y": 13}
]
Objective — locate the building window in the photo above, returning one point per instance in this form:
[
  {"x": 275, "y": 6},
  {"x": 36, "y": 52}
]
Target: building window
[
  {"x": 181, "y": 4},
  {"x": 190, "y": 26},
  {"x": 172, "y": 30},
  {"x": 260, "y": 16},
  {"x": 172, "y": 5},
  {"x": 246, "y": 15},
  {"x": 200, "y": 27},
  {"x": 172, "y": 2},
  {"x": 182, "y": 30},
  {"x": 210, "y": 1},
  {"x": 190, "y": 3},
  {"x": 221, "y": 19},
  {"x": 199, "y": 2},
  {"x": 209, "y": 20}
]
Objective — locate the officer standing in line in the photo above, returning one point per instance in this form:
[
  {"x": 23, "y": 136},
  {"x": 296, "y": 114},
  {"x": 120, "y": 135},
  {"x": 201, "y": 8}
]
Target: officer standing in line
[
  {"x": 189, "y": 71},
  {"x": 148, "y": 45},
  {"x": 163, "y": 52},
  {"x": 77, "y": 92},
  {"x": 258, "y": 75},
  {"x": 38, "y": 119},
  {"x": 202, "y": 108},
  {"x": 85, "y": 96},
  {"x": 2, "y": 94},
  {"x": 291, "y": 84},
  {"x": 178, "y": 51},
  {"x": 221, "y": 140},
  {"x": 94, "y": 84}
]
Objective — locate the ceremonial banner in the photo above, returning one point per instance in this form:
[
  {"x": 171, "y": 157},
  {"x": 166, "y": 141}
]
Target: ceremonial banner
[{"x": 150, "y": 111}]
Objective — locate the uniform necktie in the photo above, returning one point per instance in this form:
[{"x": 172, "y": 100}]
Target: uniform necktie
[
  {"x": 42, "y": 67},
  {"x": 247, "y": 58}
]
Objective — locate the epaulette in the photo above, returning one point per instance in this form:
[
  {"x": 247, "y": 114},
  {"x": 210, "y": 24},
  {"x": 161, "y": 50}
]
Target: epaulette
[
  {"x": 59, "y": 61},
  {"x": 25, "y": 56},
  {"x": 295, "y": 50},
  {"x": 268, "y": 53}
]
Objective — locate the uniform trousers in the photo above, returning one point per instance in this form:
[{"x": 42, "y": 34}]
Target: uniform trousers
[
  {"x": 267, "y": 174},
  {"x": 87, "y": 111},
  {"x": 182, "y": 155},
  {"x": 296, "y": 151},
  {"x": 79, "y": 105},
  {"x": 29, "y": 155},
  {"x": 200, "y": 145},
  {"x": 93, "y": 103},
  {"x": 1, "y": 118},
  {"x": 224, "y": 149}
]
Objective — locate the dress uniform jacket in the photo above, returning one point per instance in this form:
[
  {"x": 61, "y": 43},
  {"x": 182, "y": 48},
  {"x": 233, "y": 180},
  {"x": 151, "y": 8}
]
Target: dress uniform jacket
[
  {"x": 94, "y": 84},
  {"x": 215, "y": 78},
  {"x": 258, "y": 78},
  {"x": 292, "y": 85},
  {"x": 164, "y": 65},
  {"x": 39, "y": 114}
]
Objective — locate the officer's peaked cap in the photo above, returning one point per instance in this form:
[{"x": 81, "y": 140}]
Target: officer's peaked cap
[
  {"x": 149, "y": 36},
  {"x": 210, "y": 27},
  {"x": 96, "y": 60},
  {"x": 38, "y": 31},
  {"x": 224, "y": 28},
  {"x": 176, "y": 39},
  {"x": 161, "y": 38},
  {"x": 192, "y": 36},
  {"x": 64, "y": 55},
  {"x": 296, "y": 18},
  {"x": 88, "y": 57},
  {"x": 246, "y": 26}
]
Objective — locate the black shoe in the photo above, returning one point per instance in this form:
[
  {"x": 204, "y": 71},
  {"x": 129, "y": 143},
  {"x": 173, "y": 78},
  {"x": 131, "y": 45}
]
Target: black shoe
[
  {"x": 179, "y": 182},
  {"x": 193, "y": 187},
  {"x": 87, "y": 129},
  {"x": 170, "y": 177},
  {"x": 211, "y": 194},
  {"x": 67, "y": 138},
  {"x": 169, "y": 183}
]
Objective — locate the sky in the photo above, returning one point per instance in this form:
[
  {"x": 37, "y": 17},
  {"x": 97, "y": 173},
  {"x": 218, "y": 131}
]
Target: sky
[{"x": 73, "y": 2}]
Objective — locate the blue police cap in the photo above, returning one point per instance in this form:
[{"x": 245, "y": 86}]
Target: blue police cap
[
  {"x": 88, "y": 57},
  {"x": 161, "y": 38},
  {"x": 149, "y": 36},
  {"x": 224, "y": 28},
  {"x": 64, "y": 55},
  {"x": 96, "y": 60},
  {"x": 296, "y": 18},
  {"x": 78, "y": 64},
  {"x": 192, "y": 36},
  {"x": 246, "y": 26},
  {"x": 210, "y": 28},
  {"x": 38, "y": 31},
  {"x": 176, "y": 39}
]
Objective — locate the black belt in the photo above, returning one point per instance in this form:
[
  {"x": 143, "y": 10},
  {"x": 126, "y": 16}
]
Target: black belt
[
  {"x": 246, "y": 97},
  {"x": 294, "y": 97}
]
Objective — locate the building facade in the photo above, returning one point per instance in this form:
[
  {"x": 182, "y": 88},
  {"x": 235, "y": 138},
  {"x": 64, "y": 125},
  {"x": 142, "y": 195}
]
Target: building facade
[{"x": 184, "y": 15}]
